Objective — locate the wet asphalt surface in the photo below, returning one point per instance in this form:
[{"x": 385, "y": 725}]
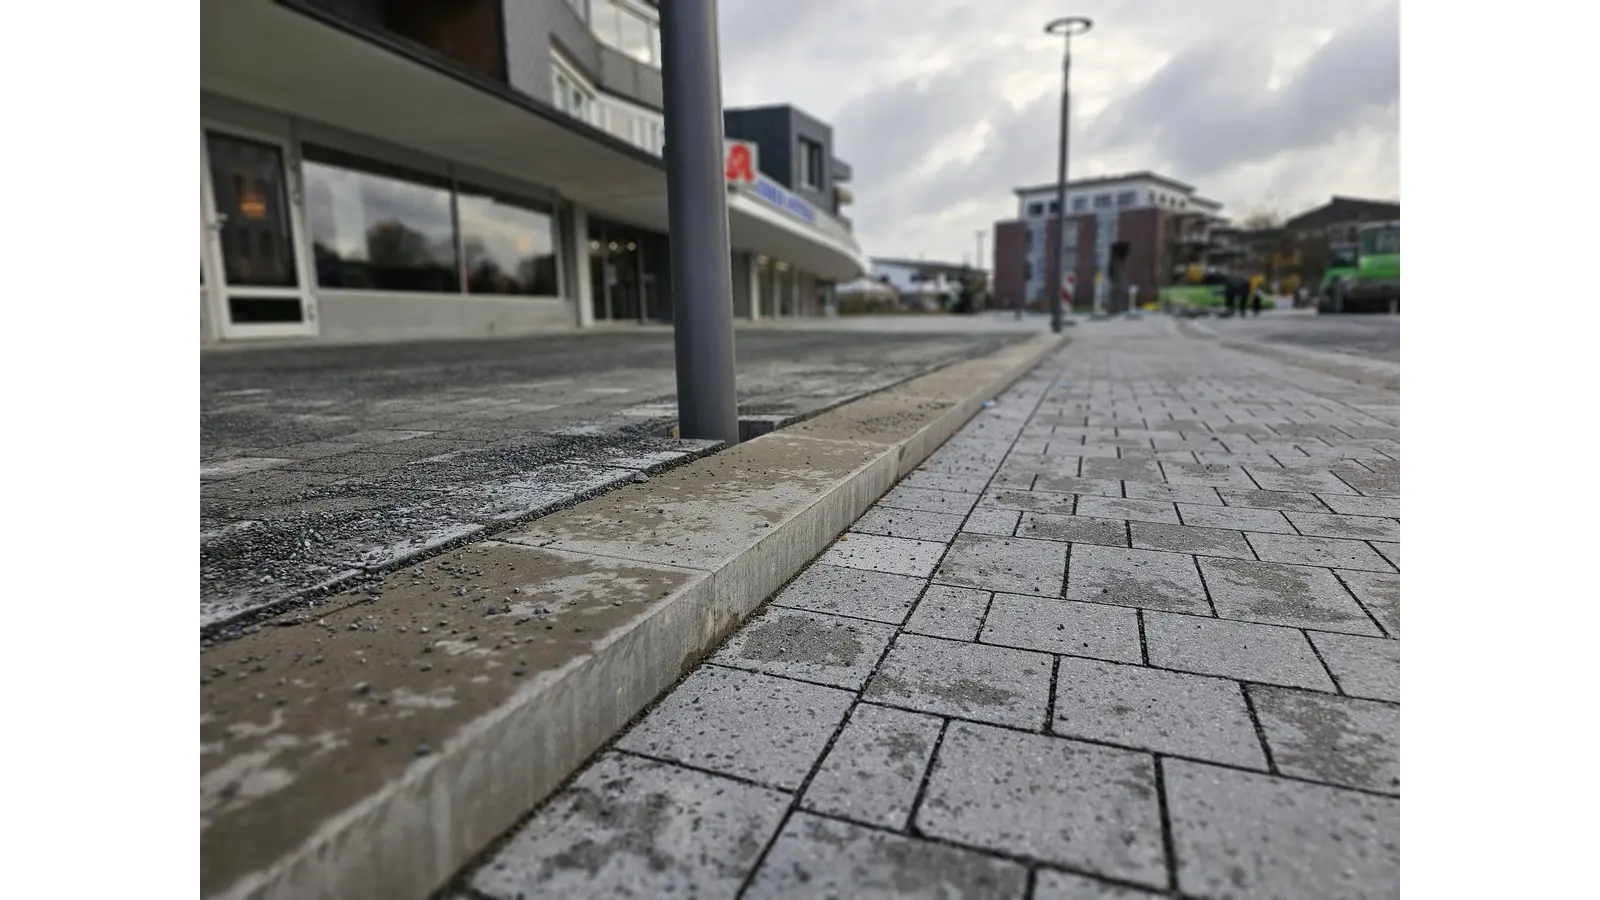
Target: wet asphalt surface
[
  {"x": 1374, "y": 336},
  {"x": 321, "y": 466}
]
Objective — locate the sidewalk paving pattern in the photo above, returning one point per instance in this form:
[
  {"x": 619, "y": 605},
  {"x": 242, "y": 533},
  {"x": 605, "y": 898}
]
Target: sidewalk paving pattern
[{"x": 1066, "y": 659}]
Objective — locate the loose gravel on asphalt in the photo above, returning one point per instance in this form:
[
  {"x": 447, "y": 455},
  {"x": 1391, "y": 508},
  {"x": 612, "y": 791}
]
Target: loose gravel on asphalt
[
  {"x": 321, "y": 465},
  {"x": 1128, "y": 671}
]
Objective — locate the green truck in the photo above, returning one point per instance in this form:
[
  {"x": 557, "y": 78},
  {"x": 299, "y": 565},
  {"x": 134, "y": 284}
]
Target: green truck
[{"x": 1370, "y": 282}]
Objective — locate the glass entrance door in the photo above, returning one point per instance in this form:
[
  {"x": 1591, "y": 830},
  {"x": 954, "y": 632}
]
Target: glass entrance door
[{"x": 257, "y": 283}]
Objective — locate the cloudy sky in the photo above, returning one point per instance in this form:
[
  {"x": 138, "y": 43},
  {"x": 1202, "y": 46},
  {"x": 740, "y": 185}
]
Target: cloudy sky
[{"x": 942, "y": 107}]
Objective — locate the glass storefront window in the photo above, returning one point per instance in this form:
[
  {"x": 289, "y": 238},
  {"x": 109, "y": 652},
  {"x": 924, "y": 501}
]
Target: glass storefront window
[
  {"x": 508, "y": 248},
  {"x": 378, "y": 228}
]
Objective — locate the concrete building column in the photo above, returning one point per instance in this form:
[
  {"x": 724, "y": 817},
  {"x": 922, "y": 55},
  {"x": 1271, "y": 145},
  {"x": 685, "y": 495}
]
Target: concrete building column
[
  {"x": 582, "y": 290},
  {"x": 755, "y": 288}
]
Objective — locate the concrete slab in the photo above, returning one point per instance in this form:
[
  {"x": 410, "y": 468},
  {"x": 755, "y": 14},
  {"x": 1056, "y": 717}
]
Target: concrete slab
[
  {"x": 1379, "y": 592},
  {"x": 875, "y": 768},
  {"x": 1240, "y": 650},
  {"x": 1015, "y": 565},
  {"x": 1144, "y": 578},
  {"x": 818, "y": 857},
  {"x": 1342, "y": 741},
  {"x": 949, "y": 612},
  {"x": 1248, "y": 835},
  {"x": 1063, "y": 626},
  {"x": 1088, "y": 807},
  {"x": 808, "y": 646},
  {"x": 1073, "y": 529},
  {"x": 1164, "y": 712},
  {"x": 1317, "y": 551},
  {"x": 876, "y": 553},
  {"x": 879, "y": 596},
  {"x": 972, "y": 681},
  {"x": 745, "y": 724},
  {"x": 1297, "y": 596},
  {"x": 1364, "y": 667},
  {"x": 642, "y": 824}
]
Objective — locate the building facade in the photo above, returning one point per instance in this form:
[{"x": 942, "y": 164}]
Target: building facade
[
  {"x": 396, "y": 169},
  {"x": 1126, "y": 236},
  {"x": 921, "y": 282}
]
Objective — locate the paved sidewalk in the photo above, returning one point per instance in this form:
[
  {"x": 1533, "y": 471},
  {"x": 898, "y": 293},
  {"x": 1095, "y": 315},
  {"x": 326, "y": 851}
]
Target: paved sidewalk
[{"x": 1133, "y": 633}]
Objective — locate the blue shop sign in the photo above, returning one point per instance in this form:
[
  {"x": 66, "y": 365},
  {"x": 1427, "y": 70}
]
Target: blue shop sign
[{"x": 773, "y": 193}]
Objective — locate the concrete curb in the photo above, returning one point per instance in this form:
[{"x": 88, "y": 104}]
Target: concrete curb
[{"x": 372, "y": 752}]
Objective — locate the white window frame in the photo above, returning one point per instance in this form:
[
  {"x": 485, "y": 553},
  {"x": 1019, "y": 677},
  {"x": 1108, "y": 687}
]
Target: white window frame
[{"x": 561, "y": 70}]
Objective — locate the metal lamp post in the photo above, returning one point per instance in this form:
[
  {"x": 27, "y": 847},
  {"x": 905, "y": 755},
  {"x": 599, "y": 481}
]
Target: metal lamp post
[
  {"x": 1068, "y": 28},
  {"x": 697, "y": 213}
]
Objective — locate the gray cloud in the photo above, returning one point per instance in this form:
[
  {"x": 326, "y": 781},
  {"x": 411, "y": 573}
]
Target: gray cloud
[{"x": 1233, "y": 96}]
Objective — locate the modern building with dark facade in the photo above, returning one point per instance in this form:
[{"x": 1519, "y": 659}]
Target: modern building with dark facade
[
  {"x": 1138, "y": 231},
  {"x": 394, "y": 169}
]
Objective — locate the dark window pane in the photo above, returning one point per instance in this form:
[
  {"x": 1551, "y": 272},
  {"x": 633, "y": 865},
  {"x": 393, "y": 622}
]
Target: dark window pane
[
  {"x": 264, "y": 309},
  {"x": 509, "y": 249},
  {"x": 377, "y": 228}
]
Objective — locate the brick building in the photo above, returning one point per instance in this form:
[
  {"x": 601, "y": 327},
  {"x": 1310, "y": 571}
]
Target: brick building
[{"x": 1140, "y": 231}]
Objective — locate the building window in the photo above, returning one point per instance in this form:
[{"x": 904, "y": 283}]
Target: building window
[
  {"x": 1127, "y": 198},
  {"x": 1152, "y": 198},
  {"x": 1079, "y": 204},
  {"x": 810, "y": 164},
  {"x": 1054, "y": 208},
  {"x": 377, "y": 227},
  {"x": 627, "y": 29},
  {"x": 1102, "y": 201},
  {"x": 1035, "y": 209},
  {"x": 506, "y": 247}
]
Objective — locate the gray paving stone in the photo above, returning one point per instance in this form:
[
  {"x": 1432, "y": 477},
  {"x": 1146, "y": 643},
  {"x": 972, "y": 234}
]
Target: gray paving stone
[
  {"x": 808, "y": 645},
  {"x": 1212, "y": 475},
  {"x": 875, "y": 767},
  {"x": 816, "y": 857},
  {"x": 1319, "y": 481},
  {"x": 929, "y": 500},
  {"x": 949, "y": 612},
  {"x": 1379, "y": 592},
  {"x": 1063, "y": 626},
  {"x": 1391, "y": 552},
  {"x": 908, "y": 523},
  {"x": 1015, "y": 565},
  {"x": 1060, "y": 801},
  {"x": 1131, "y": 510},
  {"x": 1244, "y": 650},
  {"x": 1064, "y": 463},
  {"x": 1076, "y": 529},
  {"x": 1053, "y": 885},
  {"x": 1344, "y": 741},
  {"x": 1372, "y": 484},
  {"x": 1165, "y": 712},
  {"x": 1187, "y": 539},
  {"x": 1172, "y": 493},
  {"x": 1363, "y": 666},
  {"x": 1357, "y": 505},
  {"x": 1277, "y": 594},
  {"x": 971, "y": 681},
  {"x": 875, "y": 553},
  {"x": 1236, "y": 459},
  {"x": 1030, "y": 501},
  {"x": 1099, "y": 487},
  {"x": 1361, "y": 528},
  {"x": 1317, "y": 551},
  {"x": 1279, "y": 500},
  {"x": 988, "y": 520},
  {"x": 741, "y": 723},
  {"x": 1146, "y": 578},
  {"x": 950, "y": 482},
  {"x": 1235, "y": 518},
  {"x": 630, "y": 827},
  {"x": 880, "y": 596},
  {"x": 1122, "y": 469}
]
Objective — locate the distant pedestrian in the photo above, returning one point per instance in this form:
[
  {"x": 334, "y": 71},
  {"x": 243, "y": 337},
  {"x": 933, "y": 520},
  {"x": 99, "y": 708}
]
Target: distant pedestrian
[{"x": 1255, "y": 303}]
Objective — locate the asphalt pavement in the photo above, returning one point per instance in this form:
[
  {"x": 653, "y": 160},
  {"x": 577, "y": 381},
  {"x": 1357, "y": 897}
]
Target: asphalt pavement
[
  {"x": 322, "y": 465},
  {"x": 1372, "y": 336}
]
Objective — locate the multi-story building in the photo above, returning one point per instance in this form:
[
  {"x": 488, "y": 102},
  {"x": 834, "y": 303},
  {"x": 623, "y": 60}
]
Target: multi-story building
[
  {"x": 391, "y": 169},
  {"x": 923, "y": 282},
  {"x": 1137, "y": 231}
]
